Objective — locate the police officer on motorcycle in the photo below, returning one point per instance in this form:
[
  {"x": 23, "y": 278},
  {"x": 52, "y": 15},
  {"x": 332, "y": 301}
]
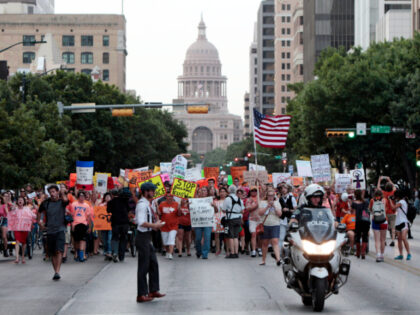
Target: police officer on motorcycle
[{"x": 314, "y": 195}]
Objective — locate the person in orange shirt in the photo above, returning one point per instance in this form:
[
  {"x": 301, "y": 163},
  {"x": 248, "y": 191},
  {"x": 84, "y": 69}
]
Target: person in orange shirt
[
  {"x": 168, "y": 212},
  {"x": 350, "y": 221},
  {"x": 391, "y": 216}
]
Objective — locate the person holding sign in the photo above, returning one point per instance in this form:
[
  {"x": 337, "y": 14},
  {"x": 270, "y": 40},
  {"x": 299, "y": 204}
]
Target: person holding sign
[
  {"x": 184, "y": 228},
  {"x": 168, "y": 212}
]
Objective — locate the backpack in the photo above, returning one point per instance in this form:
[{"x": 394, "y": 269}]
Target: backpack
[
  {"x": 411, "y": 212},
  {"x": 378, "y": 210}
]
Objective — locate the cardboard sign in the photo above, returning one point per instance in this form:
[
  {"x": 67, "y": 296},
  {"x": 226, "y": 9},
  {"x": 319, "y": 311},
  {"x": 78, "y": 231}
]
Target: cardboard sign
[
  {"x": 183, "y": 189},
  {"x": 252, "y": 176},
  {"x": 179, "y": 166},
  {"x": 358, "y": 179},
  {"x": 297, "y": 181},
  {"x": 321, "y": 168},
  {"x": 20, "y": 220},
  {"x": 193, "y": 174},
  {"x": 84, "y": 171},
  {"x": 304, "y": 168},
  {"x": 202, "y": 212},
  {"x": 101, "y": 182},
  {"x": 254, "y": 167},
  {"x": 101, "y": 218},
  {"x": 280, "y": 178},
  {"x": 211, "y": 172},
  {"x": 157, "y": 181},
  {"x": 342, "y": 181},
  {"x": 166, "y": 167},
  {"x": 238, "y": 172}
]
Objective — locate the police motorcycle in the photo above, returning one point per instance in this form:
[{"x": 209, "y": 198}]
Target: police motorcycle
[{"x": 313, "y": 264}]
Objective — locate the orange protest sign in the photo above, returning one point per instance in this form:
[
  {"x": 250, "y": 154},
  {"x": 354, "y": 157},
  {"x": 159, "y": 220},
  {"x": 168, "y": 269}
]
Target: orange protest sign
[
  {"x": 238, "y": 172},
  {"x": 73, "y": 179},
  {"x": 297, "y": 181},
  {"x": 211, "y": 172},
  {"x": 270, "y": 178},
  {"x": 135, "y": 177},
  {"x": 101, "y": 219}
]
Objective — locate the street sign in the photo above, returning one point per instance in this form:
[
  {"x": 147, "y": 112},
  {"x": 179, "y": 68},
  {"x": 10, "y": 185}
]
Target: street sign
[
  {"x": 397, "y": 129},
  {"x": 277, "y": 157},
  {"x": 361, "y": 129},
  {"x": 284, "y": 155},
  {"x": 409, "y": 135},
  {"x": 380, "y": 129},
  {"x": 80, "y": 111}
]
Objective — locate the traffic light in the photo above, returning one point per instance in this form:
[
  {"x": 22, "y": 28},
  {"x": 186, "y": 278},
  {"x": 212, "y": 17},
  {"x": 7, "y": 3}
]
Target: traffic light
[
  {"x": 284, "y": 162},
  {"x": 203, "y": 109},
  {"x": 123, "y": 112},
  {"x": 418, "y": 157},
  {"x": 249, "y": 155},
  {"x": 340, "y": 134},
  {"x": 236, "y": 159}
]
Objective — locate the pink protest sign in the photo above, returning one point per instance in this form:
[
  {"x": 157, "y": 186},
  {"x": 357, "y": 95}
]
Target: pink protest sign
[
  {"x": 165, "y": 177},
  {"x": 20, "y": 219}
]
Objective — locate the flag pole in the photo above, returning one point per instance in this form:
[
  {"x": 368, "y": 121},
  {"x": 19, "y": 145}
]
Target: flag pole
[{"x": 255, "y": 152}]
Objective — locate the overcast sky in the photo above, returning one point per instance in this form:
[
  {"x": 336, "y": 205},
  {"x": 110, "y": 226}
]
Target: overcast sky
[{"x": 160, "y": 31}]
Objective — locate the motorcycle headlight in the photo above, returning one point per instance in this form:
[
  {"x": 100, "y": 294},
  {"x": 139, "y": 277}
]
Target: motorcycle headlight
[{"x": 315, "y": 249}]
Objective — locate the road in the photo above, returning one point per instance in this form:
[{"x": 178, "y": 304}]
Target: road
[{"x": 213, "y": 286}]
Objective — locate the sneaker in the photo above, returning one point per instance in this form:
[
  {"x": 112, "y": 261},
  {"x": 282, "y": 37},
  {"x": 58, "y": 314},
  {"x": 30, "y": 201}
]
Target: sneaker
[
  {"x": 392, "y": 244},
  {"x": 253, "y": 253},
  {"x": 56, "y": 276},
  {"x": 409, "y": 257},
  {"x": 64, "y": 260},
  {"x": 399, "y": 257},
  {"x": 114, "y": 258},
  {"x": 5, "y": 253},
  {"x": 169, "y": 256},
  {"x": 259, "y": 252}
]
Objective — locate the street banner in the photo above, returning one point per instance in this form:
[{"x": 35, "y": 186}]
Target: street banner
[
  {"x": 101, "y": 182},
  {"x": 158, "y": 182},
  {"x": 254, "y": 167},
  {"x": 358, "y": 179},
  {"x": 101, "y": 218},
  {"x": 342, "y": 181},
  {"x": 179, "y": 166},
  {"x": 281, "y": 178},
  {"x": 211, "y": 172},
  {"x": 321, "y": 168},
  {"x": 304, "y": 168},
  {"x": 202, "y": 212},
  {"x": 238, "y": 172},
  {"x": 84, "y": 171},
  {"x": 183, "y": 189},
  {"x": 252, "y": 176},
  {"x": 193, "y": 174},
  {"x": 165, "y": 167},
  {"x": 297, "y": 181}
]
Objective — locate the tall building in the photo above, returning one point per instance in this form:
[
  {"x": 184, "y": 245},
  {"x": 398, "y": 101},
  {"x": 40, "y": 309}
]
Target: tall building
[
  {"x": 366, "y": 16},
  {"x": 26, "y": 6},
  {"x": 288, "y": 50},
  {"x": 394, "y": 20},
  {"x": 265, "y": 53},
  {"x": 202, "y": 82},
  {"x": 327, "y": 23},
  {"x": 253, "y": 82},
  {"x": 415, "y": 20},
  {"x": 248, "y": 116},
  {"x": 85, "y": 43}
]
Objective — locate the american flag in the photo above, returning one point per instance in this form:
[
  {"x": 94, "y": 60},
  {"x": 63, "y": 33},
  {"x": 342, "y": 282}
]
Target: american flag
[{"x": 271, "y": 131}]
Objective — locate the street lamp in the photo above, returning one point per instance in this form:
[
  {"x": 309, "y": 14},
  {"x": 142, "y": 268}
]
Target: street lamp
[{"x": 26, "y": 42}]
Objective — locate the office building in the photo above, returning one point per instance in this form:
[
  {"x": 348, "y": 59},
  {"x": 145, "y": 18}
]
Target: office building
[
  {"x": 248, "y": 118},
  {"x": 366, "y": 16},
  {"x": 394, "y": 20},
  {"x": 415, "y": 16},
  {"x": 26, "y": 6},
  {"x": 253, "y": 82}
]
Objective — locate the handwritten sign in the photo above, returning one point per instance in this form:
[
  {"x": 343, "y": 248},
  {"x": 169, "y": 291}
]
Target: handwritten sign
[
  {"x": 255, "y": 167},
  {"x": 183, "y": 189},
  {"x": 281, "y": 178},
  {"x": 158, "y": 182},
  {"x": 342, "y": 181},
  {"x": 165, "y": 167},
  {"x": 20, "y": 220},
  {"x": 84, "y": 171},
  {"x": 202, "y": 212},
  {"x": 358, "y": 179},
  {"x": 135, "y": 177},
  {"x": 101, "y": 218},
  {"x": 193, "y": 174},
  {"x": 101, "y": 182},
  {"x": 238, "y": 172},
  {"x": 304, "y": 168},
  {"x": 252, "y": 176},
  {"x": 321, "y": 168},
  {"x": 179, "y": 166},
  {"x": 297, "y": 181},
  {"x": 211, "y": 172}
]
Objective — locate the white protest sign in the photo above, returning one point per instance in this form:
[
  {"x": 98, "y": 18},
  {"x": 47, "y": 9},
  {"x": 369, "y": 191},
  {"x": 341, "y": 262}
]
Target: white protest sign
[
  {"x": 254, "y": 167},
  {"x": 304, "y": 168},
  {"x": 165, "y": 167},
  {"x": 84, "y": 171},
  {"x": 179, "y": 166},
  {"x": 252, "y": 176},
  {"x": 141, "y": 169},
  {"x": 358, "y": 179},
  {"x": 281, "y": 178},
  {"x": 122, "y": 173},
  {"x": 342, "y": 181},
  {"x": 101, "y": 183},
  {"x": 193, "y": 174},
  {"x": 321, "y": 168},
  {"x": 202, "y": 212}
]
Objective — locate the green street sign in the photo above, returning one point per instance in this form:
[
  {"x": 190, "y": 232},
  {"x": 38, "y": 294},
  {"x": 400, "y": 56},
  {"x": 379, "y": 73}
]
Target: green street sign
[
  {"x": 277, "y": 157},
  {"x": 380, "y": 129}
]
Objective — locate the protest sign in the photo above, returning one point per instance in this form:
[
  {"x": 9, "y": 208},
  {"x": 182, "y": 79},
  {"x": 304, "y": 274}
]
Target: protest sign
[
  {"x": 84, "y": 171},
  {"x": 179, "y": 166},
  {"x": 101, "y": 182},
  {"x": 193, "y": 174},
  {"x": 252, "y": 176},
  {"x": 101, "y": 218},
  {"x": 183, "y": 189},
  {"x": 358, "y": 179},
  {"x": 342, "y": 181},
  {"x": 280, "y": 178},
  {"x": 19, "y": 220},
  {"x": 321, "y": 168},
  {"x": 156, "y": 170},
  {"x": 141, "y": 169},
  {"x": 165, "y": 167},
  {"x": 238, "y": 172},
  {"x": 165, "y": 177},
  {"x": 202, "y": 212},
  {"x": 157, "y": 181},
  {"x": 72, "y": 179},
  {"x": 297, "y": 181},
  {"x": 254, "y": 167},
  {"x": 135, "y": 177},
  {"x": 304, "y": 168},
  {"x": 211, "y": 172}
]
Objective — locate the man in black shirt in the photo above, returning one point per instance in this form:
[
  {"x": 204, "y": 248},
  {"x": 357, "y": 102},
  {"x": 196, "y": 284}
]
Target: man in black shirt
[{"x": 54, "y": 221}]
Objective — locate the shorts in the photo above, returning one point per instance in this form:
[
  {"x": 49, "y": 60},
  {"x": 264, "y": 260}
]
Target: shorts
[
  {"x": 391, "y": 218},
  {"x": 168, "y": 238},
  {"x": 186, "y": 228},
  {"x": 379, "y": 227},
  {"x": 233, "y": 228},
  {"x": 253, "y": 226},
  {"x": 271, "y": 232},
  {"x": 401, "y": 227},
  {"x": 55, "y": 243},
  {"x": 79, "y": 232},
  {"x": 4, "y": 222},
  {"x": 242, "y": 232},
  {"x": 21, "y": 236},
  {"x": 67, "y": 235}
]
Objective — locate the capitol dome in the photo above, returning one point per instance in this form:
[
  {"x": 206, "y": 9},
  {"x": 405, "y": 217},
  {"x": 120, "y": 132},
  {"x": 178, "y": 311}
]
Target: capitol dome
[{"x": 202, "y": 49}]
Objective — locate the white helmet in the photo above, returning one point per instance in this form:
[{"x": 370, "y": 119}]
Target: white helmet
[
  {"x": 314, "y": 190},
  {"x": 344, "y": 197}
]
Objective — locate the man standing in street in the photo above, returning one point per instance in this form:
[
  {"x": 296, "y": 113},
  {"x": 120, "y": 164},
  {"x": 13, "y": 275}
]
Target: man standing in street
[
  {"x": 233, "y": 207},
  {"x": 54, "y": 221},
  {"x": 147, "y": 221}
]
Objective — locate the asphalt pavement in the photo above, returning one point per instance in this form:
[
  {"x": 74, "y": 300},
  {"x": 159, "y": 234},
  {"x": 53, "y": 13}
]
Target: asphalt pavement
[{"x": 213, "y": 286}]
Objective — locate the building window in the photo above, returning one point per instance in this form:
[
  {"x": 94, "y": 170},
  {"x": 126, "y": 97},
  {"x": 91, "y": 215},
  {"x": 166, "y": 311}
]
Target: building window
[
  {"x": 288, "y": 7},
  {"x": 268, "y": 43},
  {"x": 301, "y": 20},
  {"x": 288, "y": 77},
  {"x": 87, "y": 71},
  {"x": 28, "y": 56},
  {"x": 288, "y": 31},
  {"x": 87, "y": 58},
  {"x": 268, "y": 54},
  {"x": 68, "y": 40},
  {"x": 283, "y": 111},
  {"x": 68, "y": 57},
  {"x": 288, "y": 19},
  {"x": 87, "y": 40},
  {"x": 268, "y": 31},
  {"x": 283, "y": 88},
  {"x": 283, "y": 7},
  {"x": 223, "y": 124},
  {"x": 283, "y": 31},
  {"x": 288, "y": 66},
  {"x": 283, "y": 99},
  {"x": 105, "y": 58},
  {"x": 70, "y": 70},
  {"x": 105, "y": 75},
  {"x": 105, "y": 40},
  {"x": 288, "y": 55},
  {"x": 28, "y": 40},
  {"x": 283, "y": 19},
  {"x": 30, "y": 10},
  {"x": 268, "y": 20}
]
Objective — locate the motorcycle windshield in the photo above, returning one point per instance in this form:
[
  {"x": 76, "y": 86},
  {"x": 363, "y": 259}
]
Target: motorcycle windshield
[{"x": 317, "y": 224}]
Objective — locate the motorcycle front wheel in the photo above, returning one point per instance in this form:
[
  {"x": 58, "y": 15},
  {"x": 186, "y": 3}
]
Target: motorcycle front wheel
[{"x": 318, "y": 294}]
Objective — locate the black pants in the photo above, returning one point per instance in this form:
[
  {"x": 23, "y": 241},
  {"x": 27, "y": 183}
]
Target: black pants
[
  {"x": 119, "y": 240},
  {"x": 157, "y": 240},
  {"x": 147, "y": 264},
  {"x": 362, "y": 231}
]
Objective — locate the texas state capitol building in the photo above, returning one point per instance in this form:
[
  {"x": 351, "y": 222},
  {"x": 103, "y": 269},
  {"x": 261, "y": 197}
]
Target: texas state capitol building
[{"x": 202, "y": 82}]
